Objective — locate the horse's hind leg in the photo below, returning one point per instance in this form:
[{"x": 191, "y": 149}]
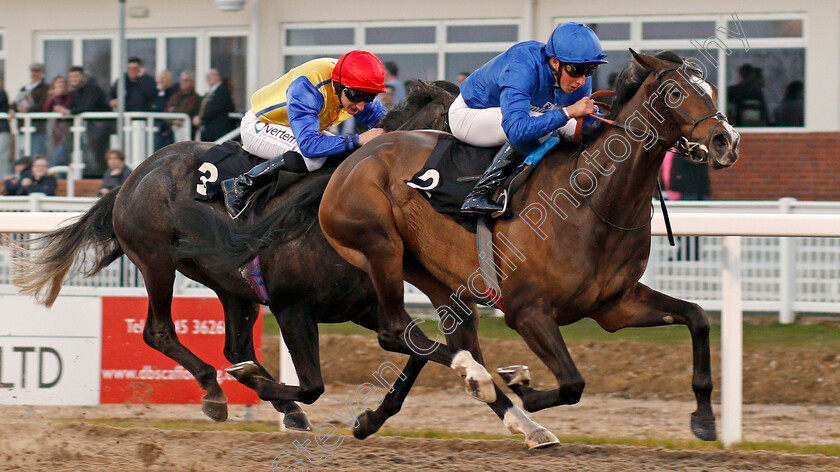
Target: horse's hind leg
[
  {"x": 370, "y": 240},
  {"x": 240, "y": 317},
  {"x": 159, "y": 333},
  {"x": 652, "y": 308},
  {"x": 463, "y": 335}
]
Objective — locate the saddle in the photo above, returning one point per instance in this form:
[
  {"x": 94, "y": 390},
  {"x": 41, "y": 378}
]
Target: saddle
[
  {"x": 219, "y": 163},
  {"x": 450, "y": 173}
]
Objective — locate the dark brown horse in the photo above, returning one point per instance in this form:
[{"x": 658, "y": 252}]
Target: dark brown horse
[
  {"x": 576, "y": 246},
  {"x": 153, "y": 220}
]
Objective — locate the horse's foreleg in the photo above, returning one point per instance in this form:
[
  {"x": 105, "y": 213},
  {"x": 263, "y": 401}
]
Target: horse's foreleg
[
  {"x": 652, "y": 308},
  {"x": 370, "y": 421},
  {"x": 240, "y": 317},
  {"x": 540, "y": 333},
  {"x": 159, "y": 333},
  {"x": 300, "y": 333}
]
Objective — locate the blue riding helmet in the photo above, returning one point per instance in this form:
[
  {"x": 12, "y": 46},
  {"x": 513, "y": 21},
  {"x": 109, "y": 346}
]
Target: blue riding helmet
[{"x": 575, "y": 43}]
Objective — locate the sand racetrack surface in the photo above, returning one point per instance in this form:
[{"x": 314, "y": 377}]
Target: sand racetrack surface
[{"x": 632, "y": 392}]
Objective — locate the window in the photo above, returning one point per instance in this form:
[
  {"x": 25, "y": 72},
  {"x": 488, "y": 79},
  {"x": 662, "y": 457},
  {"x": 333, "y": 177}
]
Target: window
[
  {"x": 197, "y": 50},
  {"x": 228, "y": 55},
  {"x": 760, "y": 79},
  {"x": 428, "y": 50}
]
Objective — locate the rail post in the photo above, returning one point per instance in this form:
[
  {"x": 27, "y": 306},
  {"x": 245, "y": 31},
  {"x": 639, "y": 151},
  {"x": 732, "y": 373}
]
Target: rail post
[
  {"x": 731, "y": 343},
  {"x": 787, "y": 269}
]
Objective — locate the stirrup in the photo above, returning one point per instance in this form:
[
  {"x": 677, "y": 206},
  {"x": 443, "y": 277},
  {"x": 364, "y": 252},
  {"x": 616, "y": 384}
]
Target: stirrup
[{"x": 503, "y": 198}]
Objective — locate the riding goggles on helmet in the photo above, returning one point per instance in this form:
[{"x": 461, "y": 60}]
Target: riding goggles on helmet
[
  {"x": 357, "y": 96},
  {"x": 579, "y": 70}
]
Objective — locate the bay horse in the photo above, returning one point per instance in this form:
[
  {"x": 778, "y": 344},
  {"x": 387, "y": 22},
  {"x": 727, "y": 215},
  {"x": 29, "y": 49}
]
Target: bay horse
[
  {"x": 153, "y": 220},
  {"x": 576, "y": 246}
]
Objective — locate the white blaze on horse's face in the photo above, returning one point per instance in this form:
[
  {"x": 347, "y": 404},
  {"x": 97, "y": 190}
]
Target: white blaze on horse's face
[{"x": 703, "y": 85}]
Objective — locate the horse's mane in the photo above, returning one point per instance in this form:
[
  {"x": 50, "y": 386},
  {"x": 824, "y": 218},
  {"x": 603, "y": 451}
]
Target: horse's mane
[
  {"x": 204, "y": 229},
  {"x": 419, "y": 95},
  {"x": 626, "y": 86}
]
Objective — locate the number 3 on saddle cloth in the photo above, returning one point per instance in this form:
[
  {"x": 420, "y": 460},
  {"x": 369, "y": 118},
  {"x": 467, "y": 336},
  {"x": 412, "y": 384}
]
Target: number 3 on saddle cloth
[
  {"x": 453, "y": 168},
  {"x": 219, "y": 163}
]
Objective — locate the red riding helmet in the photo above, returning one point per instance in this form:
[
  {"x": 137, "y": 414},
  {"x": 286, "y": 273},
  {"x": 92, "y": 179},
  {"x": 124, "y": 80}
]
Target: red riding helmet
[{"x": 360, "y": 70}]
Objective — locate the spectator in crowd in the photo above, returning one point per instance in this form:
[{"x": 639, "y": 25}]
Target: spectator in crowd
[
  {"x": 59, "y": 95},
  {"x": 392, "y": 73},
  {"x": 117, "y": 172},
  {"x": 31, "y": 98},
  {"x": 40, "y": 182},
  {"x": 5, "y": 135},
  {"x": 462, "y": 76},
  {"x": 22, "y": 169},
  {"x": 185, "y": 100},
  {"x": 212, "y": 118},
  {"x": 791, "y": 112},
  {"x": 140, "y": 88},
  {"x": 165, "y": 91},
  {"x": 745, "y": 100},
  {"x": 89, "y": 97}
]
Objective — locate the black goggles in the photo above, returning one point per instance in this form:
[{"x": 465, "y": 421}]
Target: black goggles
[
  {"x": 578, "y": 70},
  {"x": 357, "y": 96}
]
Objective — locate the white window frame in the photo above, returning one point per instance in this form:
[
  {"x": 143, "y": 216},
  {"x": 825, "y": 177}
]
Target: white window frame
[
  {"x": 3, "y": 53},
  {"x": 637, "y": 43},
  {"x": 440, "y": 46},
  {"x": 202, "y": 46}
]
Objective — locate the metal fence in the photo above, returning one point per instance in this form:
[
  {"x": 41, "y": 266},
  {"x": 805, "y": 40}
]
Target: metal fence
[{"x": 783, "y": 275}]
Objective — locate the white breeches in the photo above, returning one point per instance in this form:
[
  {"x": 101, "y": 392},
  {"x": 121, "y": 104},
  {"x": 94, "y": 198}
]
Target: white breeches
[
  {"x": 483, "y": 126},
  {"x": 268, "y": 140}
]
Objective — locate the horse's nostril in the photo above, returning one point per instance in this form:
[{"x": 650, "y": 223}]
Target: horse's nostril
[{"x": 720, "y": 142}]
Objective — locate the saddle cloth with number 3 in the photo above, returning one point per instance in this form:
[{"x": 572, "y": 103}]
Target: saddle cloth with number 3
[{"x": 220, "y": 162}]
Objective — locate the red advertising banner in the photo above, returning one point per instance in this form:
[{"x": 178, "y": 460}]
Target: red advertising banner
[{"x": 133, "y": 372}]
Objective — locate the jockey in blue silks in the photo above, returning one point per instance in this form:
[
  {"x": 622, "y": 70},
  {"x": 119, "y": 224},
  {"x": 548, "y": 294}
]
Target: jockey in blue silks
[{"x": 520, "y": 97}]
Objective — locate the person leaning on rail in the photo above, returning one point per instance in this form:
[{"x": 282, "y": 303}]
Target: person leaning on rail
[
  {"x": 521, "y": 96},
  {"x": 288, "y": 119}
]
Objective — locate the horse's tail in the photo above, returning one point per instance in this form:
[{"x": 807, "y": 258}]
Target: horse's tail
[
  {"x": 223, "y": 246},
  {"x": 42, "y": 263}
]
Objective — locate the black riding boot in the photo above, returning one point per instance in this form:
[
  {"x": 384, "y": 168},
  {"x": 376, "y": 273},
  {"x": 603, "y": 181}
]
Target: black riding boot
[
  {"x": 238, "y": 190},
  {"x": 478, "y": 201}
]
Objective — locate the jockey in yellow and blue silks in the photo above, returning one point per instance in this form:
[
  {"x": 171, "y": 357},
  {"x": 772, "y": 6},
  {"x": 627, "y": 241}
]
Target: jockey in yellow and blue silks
[
  {"x": 288, "y": 120},
  {"x": 522, "y": 96}
]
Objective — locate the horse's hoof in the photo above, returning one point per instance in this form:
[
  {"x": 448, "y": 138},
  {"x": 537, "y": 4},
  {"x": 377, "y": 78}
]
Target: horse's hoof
[
  {"x": 481, "y": 390},
  {"x": 541, "y": 439},
  {"x": 243, "y": 370},
  {"x": 364, "y": 425},
  {"x": 214, "y": 409},
  {"x": 297, "y": 421},
  {"x": 515, "y": 375},
  {"x": 703, "y": 427}
]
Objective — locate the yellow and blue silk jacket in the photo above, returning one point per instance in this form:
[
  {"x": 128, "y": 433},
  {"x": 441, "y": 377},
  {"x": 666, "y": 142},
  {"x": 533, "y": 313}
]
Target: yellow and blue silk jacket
[{"x": 305, "y": 100}]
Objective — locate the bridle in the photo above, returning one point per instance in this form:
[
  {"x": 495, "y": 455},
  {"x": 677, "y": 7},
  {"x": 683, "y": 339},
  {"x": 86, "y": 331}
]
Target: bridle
[{"x": 683, "y": 145}]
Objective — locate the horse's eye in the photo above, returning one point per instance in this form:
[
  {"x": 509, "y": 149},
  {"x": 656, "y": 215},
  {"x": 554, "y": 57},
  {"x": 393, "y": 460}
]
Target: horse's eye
[{"x": 675, "y": 93}]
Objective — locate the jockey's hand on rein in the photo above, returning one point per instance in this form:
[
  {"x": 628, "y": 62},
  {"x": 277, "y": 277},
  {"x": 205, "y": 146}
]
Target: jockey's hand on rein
[{"x": 583, "y": 107}]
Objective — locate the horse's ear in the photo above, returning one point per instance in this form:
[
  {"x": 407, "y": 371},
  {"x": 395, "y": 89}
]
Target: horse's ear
[{"x": 648, "y": 62}]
